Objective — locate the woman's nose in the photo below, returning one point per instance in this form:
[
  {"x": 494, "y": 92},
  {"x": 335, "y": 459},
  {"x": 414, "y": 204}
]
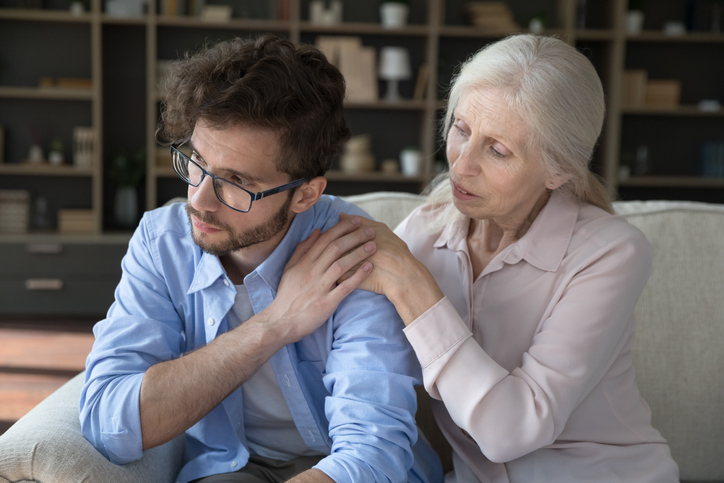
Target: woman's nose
[{"x": 464, "y": 164}]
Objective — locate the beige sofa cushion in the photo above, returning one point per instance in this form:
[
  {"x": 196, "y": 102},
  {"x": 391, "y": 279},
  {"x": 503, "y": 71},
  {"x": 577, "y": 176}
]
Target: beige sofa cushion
[{"x": 679, "y": 349}]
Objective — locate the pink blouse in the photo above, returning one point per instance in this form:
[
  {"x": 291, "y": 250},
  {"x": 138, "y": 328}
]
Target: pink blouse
[{"x": 532, "y": 360}]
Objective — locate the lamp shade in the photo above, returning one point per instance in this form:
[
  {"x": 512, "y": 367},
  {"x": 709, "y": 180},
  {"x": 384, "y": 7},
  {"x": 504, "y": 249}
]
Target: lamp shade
[{"x": 395, "y": 63}]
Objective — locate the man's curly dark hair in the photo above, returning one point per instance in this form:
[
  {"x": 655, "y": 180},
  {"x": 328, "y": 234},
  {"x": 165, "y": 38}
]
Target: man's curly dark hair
[{"x": 268, "y": 82}]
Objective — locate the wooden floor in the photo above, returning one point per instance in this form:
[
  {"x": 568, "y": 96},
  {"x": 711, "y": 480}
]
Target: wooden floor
[{"x": 36, "y": 358}]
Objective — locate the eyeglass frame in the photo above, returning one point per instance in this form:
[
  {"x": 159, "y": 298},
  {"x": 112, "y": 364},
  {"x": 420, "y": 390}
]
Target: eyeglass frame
[{"x": 254, "y": 196}]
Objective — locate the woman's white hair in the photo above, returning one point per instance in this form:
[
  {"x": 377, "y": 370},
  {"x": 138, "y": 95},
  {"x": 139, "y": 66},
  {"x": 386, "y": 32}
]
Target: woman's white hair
[{"x": 557, "y": 91}]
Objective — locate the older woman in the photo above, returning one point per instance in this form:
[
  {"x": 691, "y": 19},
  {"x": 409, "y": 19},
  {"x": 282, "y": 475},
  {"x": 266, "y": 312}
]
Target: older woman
[{"x": 517, "y": 283}]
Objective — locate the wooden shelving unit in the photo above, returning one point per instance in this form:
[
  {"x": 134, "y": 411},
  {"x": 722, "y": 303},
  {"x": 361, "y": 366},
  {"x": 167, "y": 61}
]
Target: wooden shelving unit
[{"x": 123, "y": 105}]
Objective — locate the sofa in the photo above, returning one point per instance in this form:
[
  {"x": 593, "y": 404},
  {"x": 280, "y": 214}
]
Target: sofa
[{"x": 678, "y": 357}]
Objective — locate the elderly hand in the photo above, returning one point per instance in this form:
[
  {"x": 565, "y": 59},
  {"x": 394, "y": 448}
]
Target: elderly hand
[{"x": 405, "y": 281}]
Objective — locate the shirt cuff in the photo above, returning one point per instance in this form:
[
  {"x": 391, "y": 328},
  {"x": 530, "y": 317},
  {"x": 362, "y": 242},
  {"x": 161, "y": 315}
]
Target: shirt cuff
[{"x": 437, "y": 332}]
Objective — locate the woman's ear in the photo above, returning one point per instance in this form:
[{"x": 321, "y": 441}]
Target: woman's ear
[
  {"x": 556, "y": 181},
  {"x": 307, "y": 194}
]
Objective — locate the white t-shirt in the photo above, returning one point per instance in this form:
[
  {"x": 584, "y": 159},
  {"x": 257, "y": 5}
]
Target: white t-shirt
[{"x": 268, "y": 424}]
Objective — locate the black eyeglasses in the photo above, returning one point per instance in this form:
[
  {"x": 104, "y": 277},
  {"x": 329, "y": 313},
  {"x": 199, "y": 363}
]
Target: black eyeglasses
[{"x": 230, "y": 194}]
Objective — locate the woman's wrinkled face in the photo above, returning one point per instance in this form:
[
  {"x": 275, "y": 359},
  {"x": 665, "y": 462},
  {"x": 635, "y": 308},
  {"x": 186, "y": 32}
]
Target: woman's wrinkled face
[{"x": 494, "y": 174}]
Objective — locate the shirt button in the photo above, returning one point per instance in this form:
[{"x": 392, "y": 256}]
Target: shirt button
[
  {"x": 210, "y": 321},
  {"x": 233, "y": 464},
  {"x": 226, "y": 282}
]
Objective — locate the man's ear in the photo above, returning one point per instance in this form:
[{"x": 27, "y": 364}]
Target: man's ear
[{"x": 307, "y": 194}]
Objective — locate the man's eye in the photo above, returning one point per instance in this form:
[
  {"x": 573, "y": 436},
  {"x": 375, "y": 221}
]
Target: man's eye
[{"x": 238, "y": 180}]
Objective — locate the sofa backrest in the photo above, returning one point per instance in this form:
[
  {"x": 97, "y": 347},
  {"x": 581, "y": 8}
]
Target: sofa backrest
[{"x": 679, "y": 348}]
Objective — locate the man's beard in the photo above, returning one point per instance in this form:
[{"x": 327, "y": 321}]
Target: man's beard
[{"x": 238, "y": 240}]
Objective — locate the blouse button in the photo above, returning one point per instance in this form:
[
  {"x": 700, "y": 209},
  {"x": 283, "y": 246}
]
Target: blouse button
[
  {"x": 210, "y": 321},
  {"x": 226, "y": 282},
  {"x": 233, "y": 464}
]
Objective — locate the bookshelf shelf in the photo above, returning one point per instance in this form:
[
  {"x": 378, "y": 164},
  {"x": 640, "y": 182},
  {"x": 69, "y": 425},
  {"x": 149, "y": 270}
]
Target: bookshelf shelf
[
  {"x": 673, "y": 182},
  {"x": 656, "y": 36},
  {"x": 348, "y": 28},
  {"x": 46, "y": 93},
  {"x": 30, "y": 169},
  {"x": 676, "y": 111},
  {"x": 233, "y": 24},
  {"x": 44, "y": 15}
]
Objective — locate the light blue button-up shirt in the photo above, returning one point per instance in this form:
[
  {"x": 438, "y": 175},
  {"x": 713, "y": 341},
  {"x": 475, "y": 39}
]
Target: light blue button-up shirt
[{"x": 348, "y": 385}]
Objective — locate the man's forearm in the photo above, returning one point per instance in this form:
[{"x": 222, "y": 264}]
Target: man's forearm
[
  {"x": 312, "y": 476},
  {"x": 177, "y": 394}
]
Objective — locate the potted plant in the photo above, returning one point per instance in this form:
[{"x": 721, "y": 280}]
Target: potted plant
[{"x": 393, "y": 13}]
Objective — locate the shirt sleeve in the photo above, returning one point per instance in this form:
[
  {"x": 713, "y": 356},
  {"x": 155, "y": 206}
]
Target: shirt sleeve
[
  {"x": 370, "y": 375},
  {"x": 512, "y": 414},
  {"x": 141, "y": 329}
]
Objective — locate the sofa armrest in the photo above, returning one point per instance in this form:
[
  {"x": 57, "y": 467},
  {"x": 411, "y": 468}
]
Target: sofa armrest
[{"x": 47, "y": 445}]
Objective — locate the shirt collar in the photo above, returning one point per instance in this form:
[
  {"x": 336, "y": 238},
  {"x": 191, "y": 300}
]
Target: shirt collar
[
  {"x": 545, "y": 243},
  {"x": 209, "y": 267}
]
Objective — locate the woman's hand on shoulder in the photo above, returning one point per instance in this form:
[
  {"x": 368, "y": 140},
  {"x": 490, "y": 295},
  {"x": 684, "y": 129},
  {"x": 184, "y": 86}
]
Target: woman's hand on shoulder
[{"x": 396, "y": 273}]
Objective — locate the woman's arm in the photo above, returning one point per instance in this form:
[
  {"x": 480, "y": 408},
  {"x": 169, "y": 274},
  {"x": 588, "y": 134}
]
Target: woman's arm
[{"x": 510, "y": 413}]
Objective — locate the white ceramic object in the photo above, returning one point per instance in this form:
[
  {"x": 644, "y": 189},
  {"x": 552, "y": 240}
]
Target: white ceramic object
[{"x": 394, "y": 14}]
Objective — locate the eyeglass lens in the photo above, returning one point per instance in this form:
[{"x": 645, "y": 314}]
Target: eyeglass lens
[{"x": 226, "y": 192}]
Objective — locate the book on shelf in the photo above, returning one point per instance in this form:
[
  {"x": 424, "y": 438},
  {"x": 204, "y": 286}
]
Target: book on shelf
[
  {"x": 356, "y": 62},
  {"x": 2, "y": 144},
  {"x": 633, "y": 88},
  {"x": 711, "y": 162},
  {"x": 421, "y": 84}
]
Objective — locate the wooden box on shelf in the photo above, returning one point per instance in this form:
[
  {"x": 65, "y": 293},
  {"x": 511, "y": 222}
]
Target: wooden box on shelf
[
  {"x": 663, "y": 92},
  {"x": 76, "y": 222}
]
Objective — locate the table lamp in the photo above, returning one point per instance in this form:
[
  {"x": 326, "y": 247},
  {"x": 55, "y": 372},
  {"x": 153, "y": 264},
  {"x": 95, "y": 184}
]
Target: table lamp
[{"x": 394, "y": 67}]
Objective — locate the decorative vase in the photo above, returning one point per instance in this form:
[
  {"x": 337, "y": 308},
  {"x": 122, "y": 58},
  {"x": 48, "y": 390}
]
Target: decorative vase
[
  {"x": 126, "y": 207},
  {"x": 394, "y": 14},
  {"x": 411, "y": 161},
  {"x": 634, "y": 21}
]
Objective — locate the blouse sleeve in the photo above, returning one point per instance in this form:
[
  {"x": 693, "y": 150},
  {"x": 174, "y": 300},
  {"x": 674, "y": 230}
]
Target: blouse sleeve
[{"x": 510, "y": 414}]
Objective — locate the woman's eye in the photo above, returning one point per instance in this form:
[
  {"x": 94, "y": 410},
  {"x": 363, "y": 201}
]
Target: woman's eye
[{"x": 496, "y": 153}]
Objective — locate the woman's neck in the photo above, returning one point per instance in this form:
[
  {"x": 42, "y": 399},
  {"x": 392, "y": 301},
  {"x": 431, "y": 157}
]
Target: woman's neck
[{"x": 488, "y": 237}]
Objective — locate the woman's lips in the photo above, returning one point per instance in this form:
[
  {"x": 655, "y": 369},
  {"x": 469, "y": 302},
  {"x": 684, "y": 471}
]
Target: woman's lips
[
  {"x": 461, "y": 194},
  {"x": 203, "y": 227}
]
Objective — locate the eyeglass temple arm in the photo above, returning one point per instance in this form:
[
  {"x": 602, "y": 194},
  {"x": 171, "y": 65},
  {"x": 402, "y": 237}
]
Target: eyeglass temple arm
[{"x": 278, "y": 189}]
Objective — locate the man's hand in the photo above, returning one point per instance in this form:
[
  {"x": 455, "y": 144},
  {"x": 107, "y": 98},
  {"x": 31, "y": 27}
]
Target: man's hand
[
  {"x": 176, "y": 394},
  {"x": 310, "y": 289}
]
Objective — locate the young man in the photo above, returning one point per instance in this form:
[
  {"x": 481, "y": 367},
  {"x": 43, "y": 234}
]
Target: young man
[{"x": 227, "y": 325}]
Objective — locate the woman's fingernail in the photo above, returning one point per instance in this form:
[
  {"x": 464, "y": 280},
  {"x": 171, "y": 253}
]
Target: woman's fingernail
[
  {"x": 355, "y": 220},
  {"x": 370, "y": 247},
  {"x": 370, "y": 232},
  {"x": 367, "y": 266}
]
